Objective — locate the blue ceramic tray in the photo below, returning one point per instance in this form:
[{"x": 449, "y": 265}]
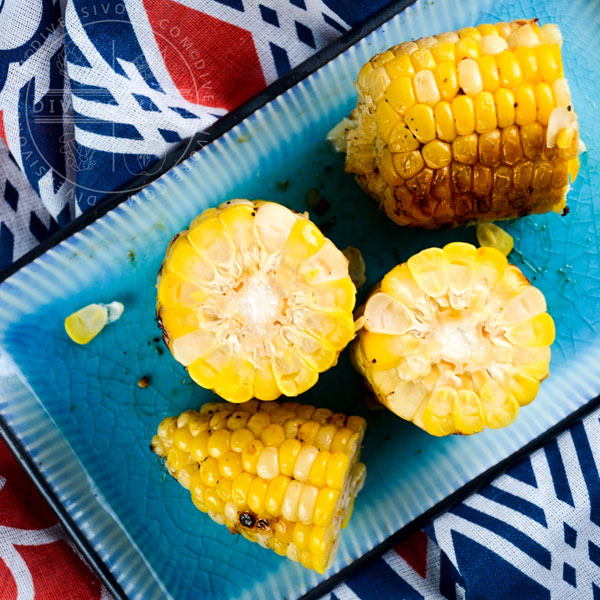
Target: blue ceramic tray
[{"x": 76, "y": 416}]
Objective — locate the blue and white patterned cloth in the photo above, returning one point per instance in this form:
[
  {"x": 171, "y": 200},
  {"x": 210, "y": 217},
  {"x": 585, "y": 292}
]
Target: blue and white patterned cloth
[{"x": 93, "y": 92}]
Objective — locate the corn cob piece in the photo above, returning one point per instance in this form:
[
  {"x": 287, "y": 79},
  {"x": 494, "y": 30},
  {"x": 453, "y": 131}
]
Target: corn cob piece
[
  {"x": 470, "y": 125},
  {"x": 455, "y": 340},
  {"x": 283, "y": 475},
  {"x": 254, "y": 301}
]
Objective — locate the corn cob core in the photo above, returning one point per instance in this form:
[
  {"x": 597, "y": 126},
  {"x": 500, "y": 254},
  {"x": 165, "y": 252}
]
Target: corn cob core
[
  {"x": 255, "y": 301},
  {"x": 455, "y": 340},
  {"x": 475, "y": 124},
  {"x": 283, "y": 475}
]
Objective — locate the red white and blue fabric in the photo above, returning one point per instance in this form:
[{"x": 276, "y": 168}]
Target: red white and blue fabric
[{"x": 92, "y": 93}]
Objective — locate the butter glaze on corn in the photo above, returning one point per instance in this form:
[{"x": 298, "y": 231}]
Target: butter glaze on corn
[
  {"x": 283, "y": 475},
  {"x": 455, "y": 340},
  {"x": 469, "y": 125},
  {"x": 254, "y": 301}
]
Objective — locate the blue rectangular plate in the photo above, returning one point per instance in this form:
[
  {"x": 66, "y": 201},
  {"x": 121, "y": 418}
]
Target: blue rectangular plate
[{"x": 76, "y": 415}]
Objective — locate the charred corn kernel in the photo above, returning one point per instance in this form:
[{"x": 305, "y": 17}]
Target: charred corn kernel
[
  {"x": 492, "y": 236},
  {"x": 85, "y": 324},
  {"x": 481, "y": 335},
  {"x": 442, "y": 87},
  {"x": 233, "y": 320},
  {"x": 285, "y": 494}
]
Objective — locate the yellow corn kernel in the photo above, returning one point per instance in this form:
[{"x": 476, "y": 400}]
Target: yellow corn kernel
[
  {"x": 386, "y": 118},
  {"x": 182, "y": 438},
  {"x": 401, "y": 94},
  {"x": 526, "y": 110},
  {"x": 422, "y": 59},
  {"x": 505, "y": 107},
  {"x": 341, "y": 439},
  {"x": 446, "y": 79},
  {"x": 380, "y": 81},
  {"x": 273, "y": 435},
  {"x": 400, "y": 66},
  {"x": 467, "y": 48},
  {"x": 218, "y": 443},
  {"x": 408, "y": 164},
  {"x": 486, "y": 29},
  {"x": 230, "y": 465},
  {"x": 444, "y": 122},
  {"x": 527, "y": 62},
  {"x": 287, "y": 455},
  {"x": 544, "y": 99},
  {"x": 337, "y": 470},
  {"x": 549, "y": 67},
  {"x": 209, "y": 471},
  {"x": 257, "y": 494},
  {"x": 257, "y": 422},
  {"x": 420, "y": 121},
  {"x": 443, "y": 51},
  {"x": 402, "y": 139},
  {"x": 250, "y": 455},
  {"x": 469, "y": 32},
  {"x": 485, "y": 113},
  {"x": 510, "y": 71},
  {"x": 437, "y": 154},
  {"x": 325, "y": 506},
  {"x": 240, "y": 488},
  {"x": 364, "y": 76},
  {"x": 464, "y": 149},
  {"x": 276, "y": 493},
  {"x": 463, "y": 109},
  {"x": 490, "y": 76},
  {"x": 318, "y": 469}
]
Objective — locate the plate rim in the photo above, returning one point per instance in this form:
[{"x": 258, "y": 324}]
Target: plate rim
[{"x": 174, "y": 157}]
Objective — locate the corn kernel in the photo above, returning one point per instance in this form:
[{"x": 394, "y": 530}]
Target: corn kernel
[
  {"x": 400, "y": 66},
  {"x": 420, "y": 121},
  {"x": 510, "y": 71},
  {"x": 437, "y": 154},
  {"x": 505, "y": 107},
  {"x": 463, "y": 109},
  {"x": 444, "y": 122},
  {"x": 485, "y": 113},
  {"x": 525, "y": 112}
]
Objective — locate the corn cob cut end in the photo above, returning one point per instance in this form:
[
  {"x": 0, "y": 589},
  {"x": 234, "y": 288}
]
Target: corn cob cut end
[
  {"x": 455, "y": 340},
  {"x": 283, "y": 475},
  {"x": 254, "y": 301},
  {"x": 472, "y": 125}
]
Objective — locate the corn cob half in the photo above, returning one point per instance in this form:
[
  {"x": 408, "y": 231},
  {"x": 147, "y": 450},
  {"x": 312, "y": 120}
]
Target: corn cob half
[
  {"x": 470, "y": 125},
  {"x": 254, "y": 301},
  {"x": 283, "y": 475},
  {"x": 455, "y": 340}
]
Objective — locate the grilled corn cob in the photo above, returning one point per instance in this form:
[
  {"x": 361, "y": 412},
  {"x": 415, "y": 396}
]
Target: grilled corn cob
[
  {"x": 470, "y": 125},
  {"x": 255, "y": 301},
  {"x": 455, "y": 340},
  {"x": 283, "y": 475}
]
